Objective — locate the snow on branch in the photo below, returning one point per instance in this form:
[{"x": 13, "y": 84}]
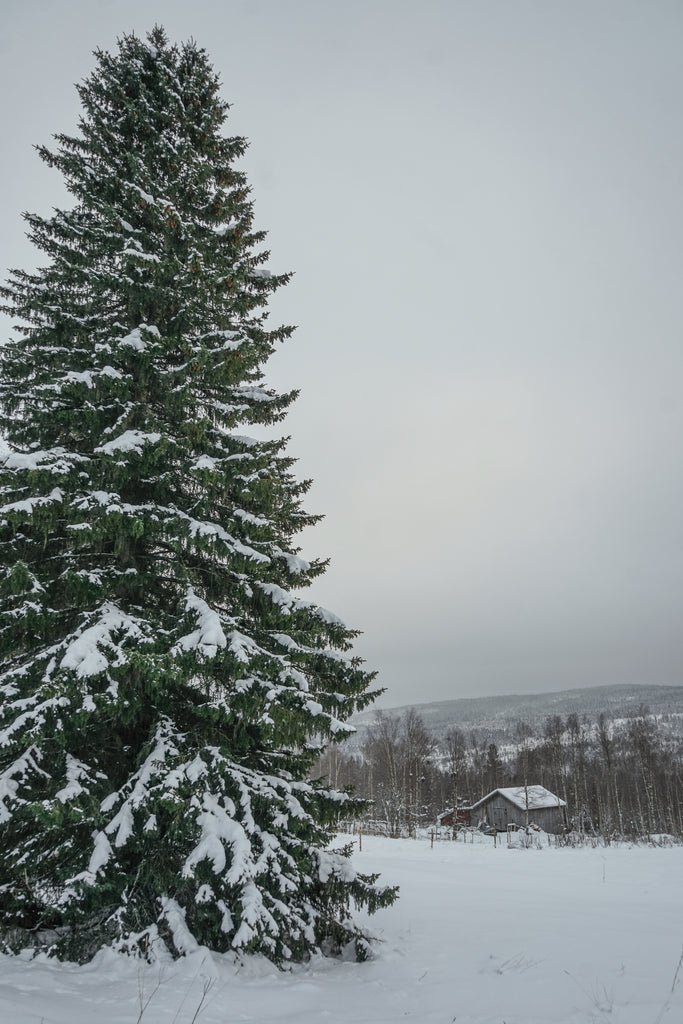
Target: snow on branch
[
  {"x": 209, "y": 635},
  {"x": 85, "y": 653},
  {"x": 56, "y": 460},
  {"x": 135, "y": 339},
  {"x": 76, "y": 773},
  {"x": 39, "y": 501},
  {"x": 288, "y": 603},
  {"x": 12, "y": 776},
  {"x": 129, "y": 441}
]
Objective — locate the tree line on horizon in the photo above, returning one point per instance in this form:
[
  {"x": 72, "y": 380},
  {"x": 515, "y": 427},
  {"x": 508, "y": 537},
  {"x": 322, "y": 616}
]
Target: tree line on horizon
[{"x": 618, "y": 777}]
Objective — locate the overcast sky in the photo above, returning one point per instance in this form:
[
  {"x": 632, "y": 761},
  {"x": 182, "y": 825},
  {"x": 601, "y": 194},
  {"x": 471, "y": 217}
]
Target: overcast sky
[{"x": 483, "y": 205}]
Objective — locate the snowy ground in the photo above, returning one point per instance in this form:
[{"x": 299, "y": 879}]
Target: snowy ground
[{"x": 479, "y": 936}]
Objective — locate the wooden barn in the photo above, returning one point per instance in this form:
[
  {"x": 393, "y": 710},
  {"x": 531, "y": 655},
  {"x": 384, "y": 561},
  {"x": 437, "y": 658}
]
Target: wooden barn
[
  {"x": 463, "y": 817},
  {"x": 509, "y": 806}
]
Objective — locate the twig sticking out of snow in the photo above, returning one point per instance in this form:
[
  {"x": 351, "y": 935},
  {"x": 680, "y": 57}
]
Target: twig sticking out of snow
[{"x": 674, "y": 983}]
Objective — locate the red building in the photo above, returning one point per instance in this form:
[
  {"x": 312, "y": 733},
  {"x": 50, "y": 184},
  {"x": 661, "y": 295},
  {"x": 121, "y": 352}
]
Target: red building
[{"x": 462, "y": 818}]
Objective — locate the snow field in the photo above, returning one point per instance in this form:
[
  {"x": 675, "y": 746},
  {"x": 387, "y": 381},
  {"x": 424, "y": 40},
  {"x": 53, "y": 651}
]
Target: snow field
[{"x": 478, "y": 936}]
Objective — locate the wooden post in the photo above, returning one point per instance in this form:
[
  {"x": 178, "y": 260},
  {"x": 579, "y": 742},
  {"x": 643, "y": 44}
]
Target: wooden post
[
  {"x": 432, "y": 839},
  {"x": 495, "y": 838},
  {"x": 360, "y": 837}
]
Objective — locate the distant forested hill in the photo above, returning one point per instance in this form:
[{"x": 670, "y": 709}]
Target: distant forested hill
[{"x": 495, "y": 718}]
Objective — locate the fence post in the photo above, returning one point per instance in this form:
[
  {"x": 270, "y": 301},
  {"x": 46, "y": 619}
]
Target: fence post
[
  {"x": 360, "y": 837},
  {"x": 432, "y": 847}
]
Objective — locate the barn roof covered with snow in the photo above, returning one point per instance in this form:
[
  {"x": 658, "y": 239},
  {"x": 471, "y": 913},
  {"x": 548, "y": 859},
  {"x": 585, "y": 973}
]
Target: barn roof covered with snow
[{"x": 539, "y": 797}]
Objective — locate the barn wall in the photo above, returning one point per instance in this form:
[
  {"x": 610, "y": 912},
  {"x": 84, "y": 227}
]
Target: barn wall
[
  {"x": 499, "y": 813},
  {"x": 550, "y": 819}
]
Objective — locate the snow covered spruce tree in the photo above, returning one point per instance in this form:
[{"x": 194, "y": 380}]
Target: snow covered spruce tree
[{"x": 164, "y": 693}]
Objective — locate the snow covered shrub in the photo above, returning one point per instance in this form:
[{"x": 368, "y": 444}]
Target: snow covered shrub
[{"x": 164, "y": 693}]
